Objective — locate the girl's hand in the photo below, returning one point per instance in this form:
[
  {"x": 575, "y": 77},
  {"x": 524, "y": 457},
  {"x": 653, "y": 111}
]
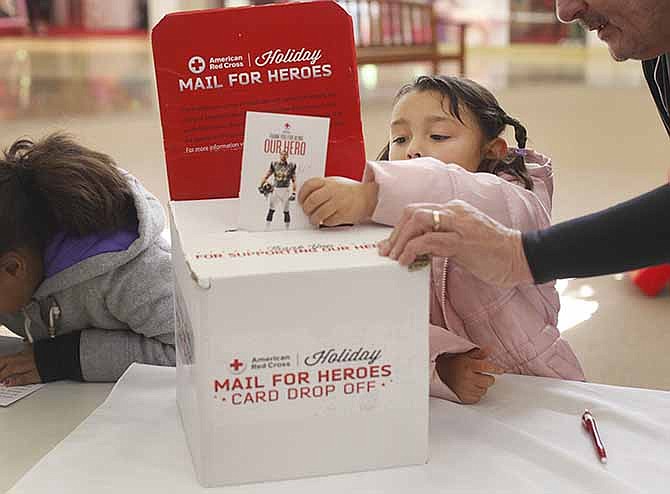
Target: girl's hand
[
  {"x": 467, "y": 374},
  {"x": 19, "y": 369},
  {"x": 335, "y": 201}
]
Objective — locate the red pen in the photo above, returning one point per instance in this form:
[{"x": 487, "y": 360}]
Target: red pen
[{"x": 589, "y": 423}]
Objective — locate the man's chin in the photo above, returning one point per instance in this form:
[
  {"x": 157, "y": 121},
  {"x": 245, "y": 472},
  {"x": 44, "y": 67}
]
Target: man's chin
[
  {"x": 620, "y": 53},
  {"x": 615, "y": 45},
  {"x": 617, "y": 53},
  {"x": 617, "y": 57}
]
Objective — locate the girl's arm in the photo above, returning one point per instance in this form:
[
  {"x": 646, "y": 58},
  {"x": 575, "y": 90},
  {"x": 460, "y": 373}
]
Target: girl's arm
[
  {"x": 443, "y": 341},
  {"x": 138, "y": 294},
  {"x": 141, "y": 295},
  {"x": 456, "y": 363},
  {"x": 427, "y": 180}
]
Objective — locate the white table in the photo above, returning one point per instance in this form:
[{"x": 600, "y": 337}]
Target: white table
[
  {"x": 524, "y": 437},
  {"x": 30, "y": 428}
]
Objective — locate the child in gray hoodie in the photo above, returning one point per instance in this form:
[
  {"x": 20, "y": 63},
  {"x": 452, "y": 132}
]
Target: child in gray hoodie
[{"x": 85, "y": 275}]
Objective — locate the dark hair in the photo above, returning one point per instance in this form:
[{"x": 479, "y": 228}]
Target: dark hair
[
  {"x": 56, "y": 185},
  {"x": 490, "y": 117}
]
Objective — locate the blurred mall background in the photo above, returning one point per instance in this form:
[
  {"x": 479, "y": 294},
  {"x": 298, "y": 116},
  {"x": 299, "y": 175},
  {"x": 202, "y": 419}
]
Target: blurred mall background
[{"x": 85, "y": 66}]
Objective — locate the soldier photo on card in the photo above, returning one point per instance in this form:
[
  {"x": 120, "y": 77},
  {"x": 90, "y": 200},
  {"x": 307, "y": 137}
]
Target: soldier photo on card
[{"x": 280, "y": 153}]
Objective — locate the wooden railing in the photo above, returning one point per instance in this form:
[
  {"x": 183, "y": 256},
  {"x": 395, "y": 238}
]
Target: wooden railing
[{"x": 401, "y": 31}]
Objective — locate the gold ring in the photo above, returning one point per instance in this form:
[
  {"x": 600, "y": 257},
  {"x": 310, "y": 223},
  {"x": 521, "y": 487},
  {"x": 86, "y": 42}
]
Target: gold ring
[{"x": 436, "y": 220}]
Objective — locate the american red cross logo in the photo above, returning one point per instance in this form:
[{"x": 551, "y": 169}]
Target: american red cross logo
[
  {"x": 196, "y": 64},
  {"x": 236, "y": 365}
]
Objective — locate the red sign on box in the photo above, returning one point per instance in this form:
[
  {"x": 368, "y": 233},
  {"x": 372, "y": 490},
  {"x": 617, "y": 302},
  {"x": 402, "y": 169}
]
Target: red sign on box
[{"x": 213, "y": 66}]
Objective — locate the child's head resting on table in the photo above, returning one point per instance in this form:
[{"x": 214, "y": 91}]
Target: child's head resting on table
[
  {"x": 455, "y": 120},
  {"x": 48, "y": 187}
]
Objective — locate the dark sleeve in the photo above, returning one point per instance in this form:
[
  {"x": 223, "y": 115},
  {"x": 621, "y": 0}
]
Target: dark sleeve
[
  {"x": 58, "y": 358},
  {"x": 657, "y": 73},
  {"x": 631, "y": 235}
]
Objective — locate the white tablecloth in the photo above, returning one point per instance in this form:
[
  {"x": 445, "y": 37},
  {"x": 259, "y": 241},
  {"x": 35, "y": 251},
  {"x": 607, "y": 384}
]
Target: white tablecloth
[{"x": 526, "y": 436}]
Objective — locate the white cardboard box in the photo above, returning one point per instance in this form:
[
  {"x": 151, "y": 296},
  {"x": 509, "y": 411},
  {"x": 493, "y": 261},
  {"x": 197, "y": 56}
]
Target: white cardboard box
[{"x": 300, "y": 353}]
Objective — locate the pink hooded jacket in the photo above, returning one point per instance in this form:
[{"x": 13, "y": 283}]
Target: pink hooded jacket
[{"x": 518, "y": 325}]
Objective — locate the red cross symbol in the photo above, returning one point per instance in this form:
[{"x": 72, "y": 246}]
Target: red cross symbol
[
  {"x": 287, "y": 125},
  {"x": 236, "y": 364},
  {"x": 196, "y": 64}
]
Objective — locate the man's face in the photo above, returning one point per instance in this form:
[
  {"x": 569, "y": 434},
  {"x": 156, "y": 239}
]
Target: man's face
[
  {"x": 283, "y": 156},
  {"x": 638, "y": 29}
]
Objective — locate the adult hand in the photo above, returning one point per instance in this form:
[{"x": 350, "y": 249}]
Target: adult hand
[
  {"x": 19, "y": 369},
  {"x": 335, "y": 201},
  {"x": 489, "y": 250},
  {"x": 467, "y": 374}
]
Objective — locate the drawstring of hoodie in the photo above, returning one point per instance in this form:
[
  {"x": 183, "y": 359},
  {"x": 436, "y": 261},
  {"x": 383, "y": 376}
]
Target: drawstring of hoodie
[
  {"x": 27, "y": 322},
  {"x": 54, "y": 315}
]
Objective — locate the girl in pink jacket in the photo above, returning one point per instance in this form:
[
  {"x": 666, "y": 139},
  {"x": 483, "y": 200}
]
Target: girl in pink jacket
[{"x": 445, "y": 143}]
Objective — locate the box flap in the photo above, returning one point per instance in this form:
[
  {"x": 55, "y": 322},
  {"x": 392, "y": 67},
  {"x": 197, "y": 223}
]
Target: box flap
[
  {"x": 212, "y": 66},
  {"x": 213, "y": 251}
]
